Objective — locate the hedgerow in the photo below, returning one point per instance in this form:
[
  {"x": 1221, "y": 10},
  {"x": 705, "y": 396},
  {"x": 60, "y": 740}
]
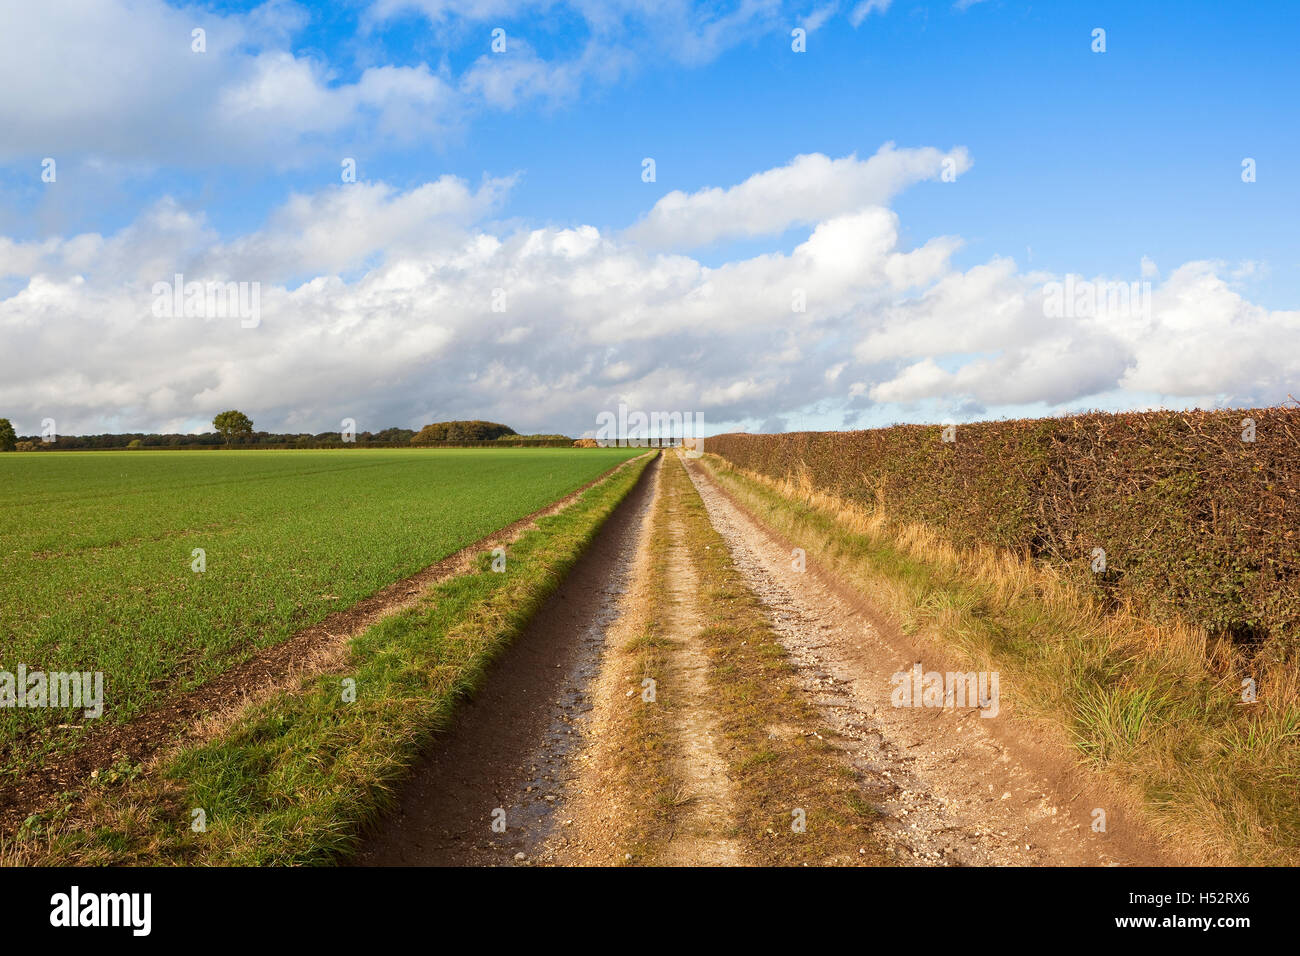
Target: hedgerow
[{"x": 1196, "y": 514}]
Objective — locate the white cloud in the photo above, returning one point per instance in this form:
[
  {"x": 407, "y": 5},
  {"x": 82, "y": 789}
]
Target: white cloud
[
  {"x": 686, "y": 31},
  {"x": 505, "y": 80},
  {"x": 866, "y": 8},
  {"x": 817, "y": 19},
  {"x": 377, "y": 304},
  {"x": 119, "y": 79},
  {"x": 442, "y": 10},
  {"x": 339, "y": 228},
  {"x": 809, "y": 189}
]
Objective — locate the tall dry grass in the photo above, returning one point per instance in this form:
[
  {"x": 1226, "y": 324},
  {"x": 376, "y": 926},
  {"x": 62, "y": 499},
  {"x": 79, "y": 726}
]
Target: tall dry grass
[{"x": 1156, "y": 707}]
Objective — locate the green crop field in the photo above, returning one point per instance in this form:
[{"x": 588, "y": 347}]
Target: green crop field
[{"x": 96, "y": 549}]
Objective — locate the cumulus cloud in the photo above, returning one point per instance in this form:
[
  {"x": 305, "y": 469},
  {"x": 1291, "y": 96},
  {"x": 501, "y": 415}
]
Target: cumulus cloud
[
  {"x": 396, "y": 306},
  {"x": 1192, "y": 337},
  {"x": 341, "y": 228},
  {"x": 809, "y": 189},
  {"x": 120, "y": 79}
]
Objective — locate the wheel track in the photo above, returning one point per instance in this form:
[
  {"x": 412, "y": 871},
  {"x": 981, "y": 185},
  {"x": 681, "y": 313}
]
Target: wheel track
[{"x": 950, "y": 791}]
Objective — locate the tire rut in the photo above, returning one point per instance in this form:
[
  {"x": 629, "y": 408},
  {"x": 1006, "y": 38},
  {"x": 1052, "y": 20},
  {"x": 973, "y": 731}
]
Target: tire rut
[
  {"x": 508, "y": 757},
  {"x": 950, "y": 791}
]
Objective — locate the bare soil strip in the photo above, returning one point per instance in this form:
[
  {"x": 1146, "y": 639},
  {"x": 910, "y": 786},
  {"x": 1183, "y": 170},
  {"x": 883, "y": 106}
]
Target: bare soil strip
[
  {"x": 206, "y": 709},
  {"x": 956, "y": 788},
  {"x": 509, "y": 752}
]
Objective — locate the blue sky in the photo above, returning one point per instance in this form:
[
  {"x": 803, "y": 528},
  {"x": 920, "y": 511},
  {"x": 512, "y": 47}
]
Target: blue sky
[{"x": 1079, "y": 162}]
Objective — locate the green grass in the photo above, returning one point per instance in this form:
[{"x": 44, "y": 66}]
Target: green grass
[
  {"x": 296, "y": 779},
  {"x": 95, "y": 565}
]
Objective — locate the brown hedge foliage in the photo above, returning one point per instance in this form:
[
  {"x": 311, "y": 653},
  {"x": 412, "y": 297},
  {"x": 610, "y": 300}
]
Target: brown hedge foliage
[{"x": 1194, "y": 520}]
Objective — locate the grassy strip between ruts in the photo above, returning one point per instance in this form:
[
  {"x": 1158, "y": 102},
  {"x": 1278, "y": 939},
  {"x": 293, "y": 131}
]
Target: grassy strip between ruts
[
  {"x": 1157, "y": 709},
  {"x": 641, "y": 734},
  {"x": 296, "y": 779},
  {"x": 781, "y": 757}
]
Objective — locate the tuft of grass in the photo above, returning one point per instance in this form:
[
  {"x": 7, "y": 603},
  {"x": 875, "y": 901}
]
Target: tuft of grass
[{"x": 1113, "y": 721}]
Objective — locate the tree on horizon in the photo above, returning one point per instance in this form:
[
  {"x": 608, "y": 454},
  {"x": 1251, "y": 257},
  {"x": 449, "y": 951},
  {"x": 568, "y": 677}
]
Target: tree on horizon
[{"x": 233, "y": 424}]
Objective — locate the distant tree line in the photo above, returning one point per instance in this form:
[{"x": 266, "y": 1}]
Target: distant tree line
[
  {"x": 234, "y": 428},
  {"x": 462, "y": 431},
  {"x": 476, "y": 431},
  {"x": 393, "y": 436}
]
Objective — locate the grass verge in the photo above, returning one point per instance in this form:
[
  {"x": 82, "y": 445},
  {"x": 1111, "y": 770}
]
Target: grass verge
[
  {"x": 1158, "y": 709},
  {"x": 295, "y": 779}
]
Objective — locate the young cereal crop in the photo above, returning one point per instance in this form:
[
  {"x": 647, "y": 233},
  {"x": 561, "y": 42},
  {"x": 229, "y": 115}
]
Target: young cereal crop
[{"x": 162, "y": 569}]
